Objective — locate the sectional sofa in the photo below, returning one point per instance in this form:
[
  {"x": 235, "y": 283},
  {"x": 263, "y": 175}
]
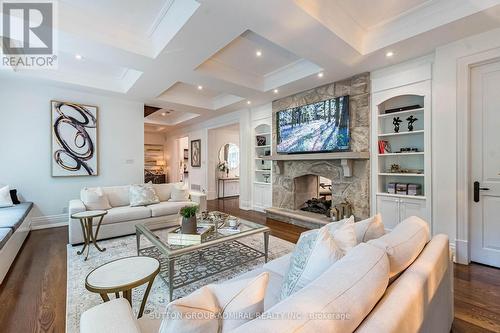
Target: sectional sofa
[
  {"x": 15, "y": 226},
  {"x": 400, "y": 282},
  {"x": 121, "y": 218}
]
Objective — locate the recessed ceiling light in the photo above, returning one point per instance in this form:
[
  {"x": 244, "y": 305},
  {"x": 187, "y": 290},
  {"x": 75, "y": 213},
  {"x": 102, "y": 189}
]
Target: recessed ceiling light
[
  {"x": 163, "y": 114},
  {"x": 78, "y": 57},
  {"x": 249, "y": 102},
  {"x": 320, "y": 74},
  {"x": 200, "y": 87},
  {"x": 258, "y": 53},
  {"x": 275, "y": 91},
  {"x": 389, "y": 54}
]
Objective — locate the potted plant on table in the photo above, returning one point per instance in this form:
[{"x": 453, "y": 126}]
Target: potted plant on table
[{"x": 188, "y": 219}]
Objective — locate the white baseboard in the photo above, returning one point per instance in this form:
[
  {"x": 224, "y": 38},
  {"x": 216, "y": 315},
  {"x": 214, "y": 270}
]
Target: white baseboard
[
  {"x": 49, "y": 221},
  {"x": 461, "y": 251}
]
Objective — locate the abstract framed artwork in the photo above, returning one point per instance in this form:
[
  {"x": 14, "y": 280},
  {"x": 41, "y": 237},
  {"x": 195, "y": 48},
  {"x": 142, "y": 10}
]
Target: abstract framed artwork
[
  {"x": 74, "y": 139},
  {"x": 196, "y": 153}
]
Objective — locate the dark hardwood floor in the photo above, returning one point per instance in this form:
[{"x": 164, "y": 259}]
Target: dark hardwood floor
[{"x": 33, "y": 295}]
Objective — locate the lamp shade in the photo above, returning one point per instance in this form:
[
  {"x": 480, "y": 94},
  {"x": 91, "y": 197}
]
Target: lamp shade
[{"x": 161, "y": 163}]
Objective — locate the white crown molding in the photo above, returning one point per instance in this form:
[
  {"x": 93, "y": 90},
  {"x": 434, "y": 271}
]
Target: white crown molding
[{"x": 423, "y": 18}]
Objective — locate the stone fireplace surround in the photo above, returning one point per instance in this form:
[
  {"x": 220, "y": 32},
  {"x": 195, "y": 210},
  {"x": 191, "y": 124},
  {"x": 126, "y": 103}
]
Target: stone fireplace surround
[{"x": 294, "y": 181}]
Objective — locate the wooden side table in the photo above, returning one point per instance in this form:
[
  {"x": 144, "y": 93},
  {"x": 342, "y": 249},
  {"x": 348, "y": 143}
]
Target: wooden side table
[
  {"x": 122, "y": 275},
  {"x": 86, "y": 221}
]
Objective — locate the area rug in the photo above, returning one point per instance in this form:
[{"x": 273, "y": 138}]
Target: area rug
[{"x": 80, "y": 299}]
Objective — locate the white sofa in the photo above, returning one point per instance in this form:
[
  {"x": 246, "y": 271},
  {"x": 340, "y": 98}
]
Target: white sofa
[
  {"x": 121, "y": 218},
  {"x": 420, "y": 299}
]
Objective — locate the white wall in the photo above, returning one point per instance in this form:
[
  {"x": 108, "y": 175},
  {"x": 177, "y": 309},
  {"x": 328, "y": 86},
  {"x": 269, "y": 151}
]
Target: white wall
[{"x": 25, "y": 145}]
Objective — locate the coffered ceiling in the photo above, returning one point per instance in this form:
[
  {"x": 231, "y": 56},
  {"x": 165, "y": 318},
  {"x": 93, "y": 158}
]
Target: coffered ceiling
[{"x": 242, "y": 53}]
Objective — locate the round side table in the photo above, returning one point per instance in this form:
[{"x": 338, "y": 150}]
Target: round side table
[
  {"x": 122, "y": 275},
  {"x": 86, "y": 220}
]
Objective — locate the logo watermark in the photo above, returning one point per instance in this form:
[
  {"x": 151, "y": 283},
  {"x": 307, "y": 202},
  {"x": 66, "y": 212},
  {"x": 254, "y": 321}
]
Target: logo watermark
[{"x": 28, "y": 35}]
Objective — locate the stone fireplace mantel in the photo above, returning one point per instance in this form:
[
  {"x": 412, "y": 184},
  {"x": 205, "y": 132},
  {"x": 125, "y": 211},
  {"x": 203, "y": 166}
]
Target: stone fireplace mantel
[{"x": 346, "y": 159}]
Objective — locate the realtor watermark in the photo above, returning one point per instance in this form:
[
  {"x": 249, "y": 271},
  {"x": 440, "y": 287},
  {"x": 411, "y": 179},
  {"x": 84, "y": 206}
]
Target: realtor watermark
[{"x": 28, "y": 35}]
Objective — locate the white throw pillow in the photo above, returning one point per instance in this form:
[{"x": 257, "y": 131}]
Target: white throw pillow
[
  {"x": 371, "y": 228},
  {"x": 217, "y": 308},
  {"x": 179, "y": 193},
  {"x": 95, "y": 199},
  {"x": 5, "y": 199},
  {"x": 344, "y": 233},
  {"x": 142, "y": 195},
  {"x": 315, "y": 252},
  {"x": 404, "y": 243}
]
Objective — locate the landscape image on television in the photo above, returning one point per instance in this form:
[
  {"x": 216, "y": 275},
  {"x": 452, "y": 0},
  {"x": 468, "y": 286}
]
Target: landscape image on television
[{"x": 316, "y": 127}]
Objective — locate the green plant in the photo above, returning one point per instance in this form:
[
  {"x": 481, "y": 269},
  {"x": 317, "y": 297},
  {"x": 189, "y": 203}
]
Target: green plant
[{"x": 189, "y": 211}]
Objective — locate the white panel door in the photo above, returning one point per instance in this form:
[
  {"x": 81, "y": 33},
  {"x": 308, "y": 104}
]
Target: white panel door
[
  {"x": 485, "y": 164},
  {"x": 388, "y": 207}
]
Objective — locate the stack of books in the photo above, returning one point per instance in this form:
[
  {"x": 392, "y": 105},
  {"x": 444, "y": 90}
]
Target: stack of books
[{"x": 176, "y": 237}]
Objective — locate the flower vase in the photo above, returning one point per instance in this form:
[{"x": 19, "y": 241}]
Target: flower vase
[{"x": 188, "y": 225}]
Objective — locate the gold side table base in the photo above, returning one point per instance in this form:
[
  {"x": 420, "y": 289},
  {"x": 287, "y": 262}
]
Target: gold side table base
[{"x": 89, "y": 237}]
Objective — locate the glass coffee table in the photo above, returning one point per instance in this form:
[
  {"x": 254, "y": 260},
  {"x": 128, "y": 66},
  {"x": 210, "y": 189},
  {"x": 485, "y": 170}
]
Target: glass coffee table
[{"x": 217, "y": 252}]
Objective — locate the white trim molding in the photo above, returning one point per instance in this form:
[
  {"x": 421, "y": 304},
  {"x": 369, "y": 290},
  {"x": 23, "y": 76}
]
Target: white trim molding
[
  {"x": 460, "y": 251},
  {"x": 49, "y": 221}
]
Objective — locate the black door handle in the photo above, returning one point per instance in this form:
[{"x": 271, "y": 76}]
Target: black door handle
[{"x": 477, "y": 188}]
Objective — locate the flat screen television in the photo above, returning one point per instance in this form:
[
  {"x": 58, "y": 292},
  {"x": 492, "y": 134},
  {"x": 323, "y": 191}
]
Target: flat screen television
[{"x": 314, "y": 128}]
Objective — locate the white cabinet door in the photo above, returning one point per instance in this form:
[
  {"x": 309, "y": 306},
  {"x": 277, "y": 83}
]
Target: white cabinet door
[
  {"x": 388, "y": 207},
  {"x": 262, "y": 197},
  {"x": 412, "y": 207}
]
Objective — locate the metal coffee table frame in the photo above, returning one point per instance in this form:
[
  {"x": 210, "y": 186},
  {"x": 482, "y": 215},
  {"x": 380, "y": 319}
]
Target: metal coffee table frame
[{"x": 173, "y": 253}]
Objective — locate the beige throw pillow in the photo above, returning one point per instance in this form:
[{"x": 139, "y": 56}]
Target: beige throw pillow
[
  {"x": 179, "y": 193},
  {"x": 369, "y": 229},
  {"x": 95, "y": 199},
  {"x": 217, "y": 308},
  {"x": 142, "y": 195},
  {"x": 404, "y": 243}
]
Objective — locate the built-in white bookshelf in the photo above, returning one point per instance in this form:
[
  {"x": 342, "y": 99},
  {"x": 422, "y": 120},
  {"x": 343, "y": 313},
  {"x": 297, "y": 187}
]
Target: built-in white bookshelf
[
  {"x": 408, "y": 160},
  {"x": 262, "y": 165},
  {"x": 262, "y": 145}
]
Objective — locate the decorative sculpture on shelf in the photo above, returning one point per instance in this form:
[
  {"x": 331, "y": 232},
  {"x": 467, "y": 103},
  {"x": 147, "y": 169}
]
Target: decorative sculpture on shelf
[
  {"x": 411, "y": 120},
  {"x": 396, "y": 123}
]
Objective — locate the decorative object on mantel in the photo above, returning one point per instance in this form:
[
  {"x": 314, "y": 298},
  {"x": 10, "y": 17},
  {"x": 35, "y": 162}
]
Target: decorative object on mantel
[
  {"x": 396, "y": 121},
  {"x": 188, "y": 219},
  {"x": 411, "y": 120},
  {"x": 196, "y": 153},
  {"x": 74, "y": 139},
  {"x": 261, "y": 140},
  {"x": 341, "y": 211}
]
